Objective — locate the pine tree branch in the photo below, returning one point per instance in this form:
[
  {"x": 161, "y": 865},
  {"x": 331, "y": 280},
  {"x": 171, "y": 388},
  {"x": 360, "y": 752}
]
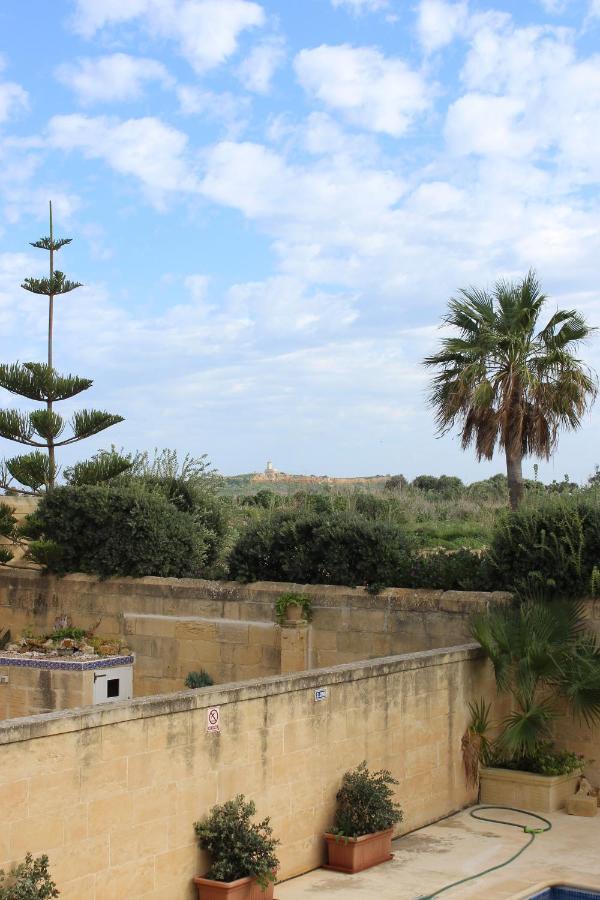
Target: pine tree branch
[
  {"x": 48, "y": 424},
  {"x": 16, "y": 426},
  {"x": 47, "y": 243},
  {"x": 58, "y": 284},
  {"x": 102, "y": 467},
  {"x": 37, "y": 381},
  {"x": 31, "y": 469},
  {"x": 88, "y": 422}
]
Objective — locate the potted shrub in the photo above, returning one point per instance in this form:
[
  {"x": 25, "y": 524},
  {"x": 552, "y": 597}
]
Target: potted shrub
[
  {"x": 365, "y": 814},
  {"x": 291, "y": 607},
  {"x": 30, "y": 880},
  {"x": 242, "y": 853},
  {"x": 546, "y": 660}
]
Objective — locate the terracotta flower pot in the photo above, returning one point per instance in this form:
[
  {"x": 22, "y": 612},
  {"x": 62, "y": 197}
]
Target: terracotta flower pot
[
  {"x": 240, "y": 889},
  {"x": 352, "y": 855},
  {"x": 293, "y": 613}
]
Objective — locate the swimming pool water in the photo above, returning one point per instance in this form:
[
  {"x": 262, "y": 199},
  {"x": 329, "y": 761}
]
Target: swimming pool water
[{"x": 565, "y": 893}]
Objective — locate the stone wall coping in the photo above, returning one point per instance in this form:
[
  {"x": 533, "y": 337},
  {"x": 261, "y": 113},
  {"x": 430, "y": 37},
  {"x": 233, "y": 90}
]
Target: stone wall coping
[
  {"x": 64, "y": 721},
  {"x": 325, "y": 596}
]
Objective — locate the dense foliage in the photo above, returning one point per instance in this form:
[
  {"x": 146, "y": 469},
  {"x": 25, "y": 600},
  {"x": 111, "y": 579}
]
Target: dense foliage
[
  {"x": 551, "y": 546},
  {"x": 365, "y": 803},
  {"x": 548, "y": 661},
  {"x": 115, "y": 530},
  {"x": 545, "y": 759},
  {"x": 335, "y": 548},
  {"x": 30, "y": 880},
  {"x": 238, "y": 847}
]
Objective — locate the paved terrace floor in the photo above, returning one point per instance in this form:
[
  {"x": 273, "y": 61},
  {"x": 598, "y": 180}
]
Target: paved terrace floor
[{"x": 454, "y": 848}]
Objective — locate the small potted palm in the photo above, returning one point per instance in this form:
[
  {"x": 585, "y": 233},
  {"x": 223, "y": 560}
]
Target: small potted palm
[
  {"x": 365, "y": 816},
  {"x": 242, "y": 853},
  {"x": 547, "y": 661}
]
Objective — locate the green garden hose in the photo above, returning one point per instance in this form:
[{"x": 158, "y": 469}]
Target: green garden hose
[{"x": 528, "y": 829}]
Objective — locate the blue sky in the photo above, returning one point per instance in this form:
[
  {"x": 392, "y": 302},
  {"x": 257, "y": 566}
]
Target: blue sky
[{"x": 273, "y": 201}]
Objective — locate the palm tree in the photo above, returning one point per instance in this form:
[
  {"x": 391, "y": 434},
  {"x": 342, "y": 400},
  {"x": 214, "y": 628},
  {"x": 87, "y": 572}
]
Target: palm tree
[
  {"x": 545, "y": 656},
  {"x": 505, "y": 379}
]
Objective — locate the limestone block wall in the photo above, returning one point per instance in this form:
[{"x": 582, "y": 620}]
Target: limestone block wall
[
  {"x": 111, "y": 793},
  {"x": 175, "y": 625}
]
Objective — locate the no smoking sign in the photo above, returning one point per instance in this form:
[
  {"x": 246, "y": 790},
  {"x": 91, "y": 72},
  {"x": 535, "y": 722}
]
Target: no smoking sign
[{"x": 213, "y": 719}]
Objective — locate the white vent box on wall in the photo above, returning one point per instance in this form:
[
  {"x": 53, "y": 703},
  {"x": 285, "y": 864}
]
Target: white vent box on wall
[{"x": 115, "y": 683}]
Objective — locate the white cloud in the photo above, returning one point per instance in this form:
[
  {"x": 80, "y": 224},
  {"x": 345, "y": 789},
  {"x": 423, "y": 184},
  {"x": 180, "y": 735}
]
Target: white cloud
[
  {"x": 111, "y": 78},
  {"x": 594, "y": 9},
  {"x": 13, "y": 99},
  {"x": 257, "y": 69},
  {"x": 360, "y": 6},
  {"x": 485, "y": 124},
  {"x": 146, "y": 148},
  {"x": 371, "y": 90},
  {"x": 206, "y": 31},
  {"x": 529, "y": 93},
  {"x": 439, "y": 22}
]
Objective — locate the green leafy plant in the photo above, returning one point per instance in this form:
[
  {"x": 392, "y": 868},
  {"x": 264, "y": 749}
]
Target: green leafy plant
[
  {"x": 198, "y": 679},
  {"x": 595, "y": 582},
  {"x": 29, "y": 880},
  {"x": 114, "y": 530},
  {"x": 292, "y": 599},
  {"x": 238, "y": 847},
  {"x": 331, "y": 548},
  {"x": 545, "y": 657},
  {"x": 365, "y": 803},
  {"x": 44, "y": 429},
  {"x": 553, "y": 544},
  {"x": 544, "y": 760}
]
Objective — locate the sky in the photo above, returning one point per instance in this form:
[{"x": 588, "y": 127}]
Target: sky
[{"x": 272, "y": 202}]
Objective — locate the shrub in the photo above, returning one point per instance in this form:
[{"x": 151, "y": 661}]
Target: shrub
[
  {"x": 365, "y": 803},
  {"x": 114, "y": 530},
  {"x": 198, "y": 679},
  {"x": 547, "y": 659},
  {"x": 553, "y": 546},
  {"x": 334, "y": 549},
  {"x": 544, "y": 760},
  {"x": 238, "y": 847},
  {"x": 30, "y": 880},
  {"x": 460, "y": 570}
]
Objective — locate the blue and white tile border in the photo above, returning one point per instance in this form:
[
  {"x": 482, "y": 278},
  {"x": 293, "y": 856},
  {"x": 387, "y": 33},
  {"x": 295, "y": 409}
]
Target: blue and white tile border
[{"x": 103, "y": 662}]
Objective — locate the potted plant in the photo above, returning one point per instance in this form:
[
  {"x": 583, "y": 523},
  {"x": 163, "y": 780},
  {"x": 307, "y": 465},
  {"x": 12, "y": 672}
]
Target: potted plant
[
  {"x": 29, "y": 880},
  {"x": 242, "y": 853},
  {"x": 546, "y": 660},
  {"x": 365, "y": 814},
  {"x": 292, "y": 607}
]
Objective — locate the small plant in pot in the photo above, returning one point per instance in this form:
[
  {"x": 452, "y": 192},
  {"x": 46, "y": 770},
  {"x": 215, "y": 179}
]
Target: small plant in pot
[
  {"x": 292, "y": 607},
  {"x": 365, "y": 815},
  {"x": 242, "y": 853}
]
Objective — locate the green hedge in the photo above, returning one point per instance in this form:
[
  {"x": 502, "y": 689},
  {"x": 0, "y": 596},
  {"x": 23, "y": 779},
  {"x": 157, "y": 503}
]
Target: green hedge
[
  {"x": 552, "y": 546},
  {"x": 336, "y": 548},
  {"x": 115, "y": 530}
]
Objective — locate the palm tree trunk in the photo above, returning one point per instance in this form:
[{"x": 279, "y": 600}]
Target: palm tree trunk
[{"x": 514, "y": 474}]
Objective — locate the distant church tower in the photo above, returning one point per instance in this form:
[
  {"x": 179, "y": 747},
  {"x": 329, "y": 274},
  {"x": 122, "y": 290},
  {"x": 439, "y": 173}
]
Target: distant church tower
[{"x": 269, "y": 470}]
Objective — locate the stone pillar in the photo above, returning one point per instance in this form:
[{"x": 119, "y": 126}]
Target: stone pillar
[{"x": 295, "y": 647}]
